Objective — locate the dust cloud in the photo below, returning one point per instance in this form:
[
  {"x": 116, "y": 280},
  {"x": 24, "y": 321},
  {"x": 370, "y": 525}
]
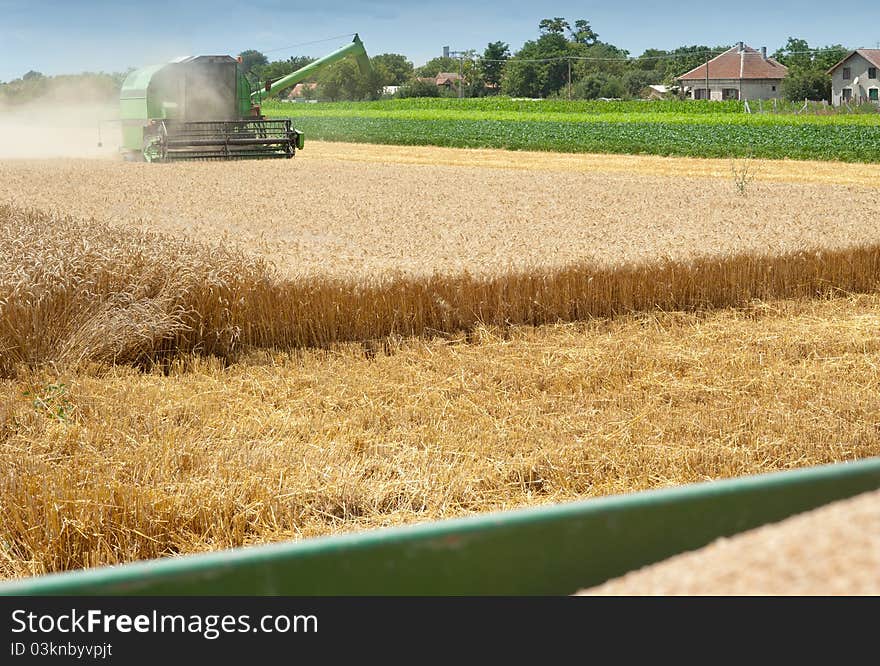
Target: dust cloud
[{"x": 38, "y": 130}]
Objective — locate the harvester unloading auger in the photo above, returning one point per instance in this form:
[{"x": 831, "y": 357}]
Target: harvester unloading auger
[{"x": 203, "y": 108}]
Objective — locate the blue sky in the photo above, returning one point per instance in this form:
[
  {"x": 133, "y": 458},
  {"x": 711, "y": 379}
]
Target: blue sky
[{"x": 68, "y": 36}]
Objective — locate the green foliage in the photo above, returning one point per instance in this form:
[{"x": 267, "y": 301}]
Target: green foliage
[
  {"x": 88, "y": 88},
  {"x": 52, "y": 401},
  {"x": 801, "y": 84},
  {"x": 491, "y": 70},
  {"x": 434, "y": 67},
  {"x": 343, "y": 81},
  {"x": 416, "y": 88},
  {"x": 669, "y": 127},
  {"x": 397, "y": 69},
  {"x": 582, "y": 33},
  {"x": 505, "y": 108},
  {"x": 807, "y": 69},
  {"x": 525, "y": 78},
  {"x": 830, "y": 142},
  {"x": 251, "y": 61}
]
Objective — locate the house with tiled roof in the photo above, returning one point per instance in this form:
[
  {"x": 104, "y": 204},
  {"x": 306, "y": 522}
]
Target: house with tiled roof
[
  {"x": 739, "y": 73},
  {"x": 854, "y": 79}
]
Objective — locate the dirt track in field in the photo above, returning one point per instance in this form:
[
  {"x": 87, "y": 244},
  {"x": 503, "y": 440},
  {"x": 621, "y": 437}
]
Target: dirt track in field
[{"x": 791, "y": 171}]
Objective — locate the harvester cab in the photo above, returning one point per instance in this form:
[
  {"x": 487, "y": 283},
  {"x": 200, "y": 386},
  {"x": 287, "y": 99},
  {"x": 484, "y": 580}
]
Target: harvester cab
[{"x": 203, "y": 108}]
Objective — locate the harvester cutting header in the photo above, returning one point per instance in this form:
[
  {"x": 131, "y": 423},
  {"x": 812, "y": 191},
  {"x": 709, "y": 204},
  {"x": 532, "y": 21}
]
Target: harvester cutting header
[{"x": 203, "y": 108}]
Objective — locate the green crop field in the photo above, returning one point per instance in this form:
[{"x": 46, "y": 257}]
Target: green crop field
[{"x": 698, "y": 129}]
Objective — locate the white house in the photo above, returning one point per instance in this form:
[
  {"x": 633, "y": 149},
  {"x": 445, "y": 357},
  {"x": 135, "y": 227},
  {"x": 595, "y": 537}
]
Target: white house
[{"x": 854, "y": 79}]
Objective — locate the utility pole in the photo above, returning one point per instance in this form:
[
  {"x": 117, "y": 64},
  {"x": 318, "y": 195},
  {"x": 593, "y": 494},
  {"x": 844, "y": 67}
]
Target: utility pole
[
  {"x": 569, "y": 78},
  {"x": 708, "y": 94},
  {"x": 460, "y": 55}
]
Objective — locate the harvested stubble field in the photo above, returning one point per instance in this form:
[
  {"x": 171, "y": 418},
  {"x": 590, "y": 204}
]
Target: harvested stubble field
[
  {"x": 114, "y": 465},
  {"x": 223, "y": 433},
  {"x": 333, "y": 217}
]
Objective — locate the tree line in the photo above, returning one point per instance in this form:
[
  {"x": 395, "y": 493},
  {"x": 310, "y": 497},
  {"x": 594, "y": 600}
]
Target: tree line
[
  {"x": 567, "y": 59},
  {"x": 87, "y": 88}
]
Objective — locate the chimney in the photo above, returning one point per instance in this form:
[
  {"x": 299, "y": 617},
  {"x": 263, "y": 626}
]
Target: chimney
[
  {"x": 445, "y": 51},
  {"x": 764, "y": 52},
  {"x": 739, "y": 46}
]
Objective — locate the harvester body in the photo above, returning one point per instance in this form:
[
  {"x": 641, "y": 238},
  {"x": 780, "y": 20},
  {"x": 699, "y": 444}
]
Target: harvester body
[{"x": 203, "y": 107}]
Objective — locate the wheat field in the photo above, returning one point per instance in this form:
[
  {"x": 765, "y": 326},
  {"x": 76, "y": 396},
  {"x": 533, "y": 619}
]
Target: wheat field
[
  {"x": 117, "y": 464},
  {"x": 200, "y": 356},
  {"x": 342, "y": 218}
]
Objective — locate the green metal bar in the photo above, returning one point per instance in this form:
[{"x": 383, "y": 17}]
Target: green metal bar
[
  {"x": 547, "y": 550},
  {"x": 355, "y": 48}
]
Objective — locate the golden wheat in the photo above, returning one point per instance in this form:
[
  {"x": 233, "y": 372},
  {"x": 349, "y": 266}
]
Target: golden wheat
[
  {"x": 325, "y": 218},
  {"x": 73, "y": 292},
  {"x": 217, "y": 444},
  {"x": 115, "y": 465}
]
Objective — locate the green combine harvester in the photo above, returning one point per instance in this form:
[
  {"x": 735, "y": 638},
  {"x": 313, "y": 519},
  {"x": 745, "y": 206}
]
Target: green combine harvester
[{"x": 203, "y": 108}]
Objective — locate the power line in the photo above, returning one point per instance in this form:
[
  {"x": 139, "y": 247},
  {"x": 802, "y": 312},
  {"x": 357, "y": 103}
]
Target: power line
[{"x": 317, "y": 41}]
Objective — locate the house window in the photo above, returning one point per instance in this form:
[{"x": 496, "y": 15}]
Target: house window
[
  {"x": 700, "y": 93},
  {"x": 729, "y": 93},
  {"x": 773, "y": 88},
  {"x": 874, "y": 94},
  {"x": 847, "y": 73},
  {"x": 847, "y": 94},
  {"x": 872, "y": 72}
]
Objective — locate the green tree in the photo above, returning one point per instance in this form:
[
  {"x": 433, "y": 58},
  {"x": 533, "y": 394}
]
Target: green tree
[
  {"x": 828, "y": 56},
  {"x": 416, "y": 88},
  {"x": 495, "y": 57},
  {"x": 399, "y": 70},
  {"x": 435, "y": 66},
  {"x": 636, "y": 80},
  {"x": 795, "y": 54},
  {"x": 605, "y": 58},
  {"x": 277, "y": 68},
  {"x": 251, "y": 61},
  {"x": 685, "y": 58},
  {"x": 806, "y": 83},
  {"x": 343, "y": 81},
  {"x": 582, "y": 33},
  {"x": 554, "y": 26},
  {"x": 538, "y": 69},
  {"x": 612, "y": 88},
  {"x": 807, "y": 76}
]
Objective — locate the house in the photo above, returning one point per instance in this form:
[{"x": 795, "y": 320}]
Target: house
[
  {"x": 447, "y": 79},
  {"x": 301, "y": 90},
  {"x": 442, "y": 80},
  {"x": 739, "y": 73},
  {"x": 656, "y": 92},
  {"x": 854, "y": 79}
]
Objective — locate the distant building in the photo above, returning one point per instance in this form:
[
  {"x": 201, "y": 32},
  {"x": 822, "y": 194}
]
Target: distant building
[
  {"x": 657, "y": 91},
  {"x": 299, "y": 90},
  {"x": 442, "y": 80},
  {"x": 854, "y": 79},
  {"x": 738, "y": 73}
]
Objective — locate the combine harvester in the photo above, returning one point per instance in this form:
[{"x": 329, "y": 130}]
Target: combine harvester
[{"x": 203, "y": 108}]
